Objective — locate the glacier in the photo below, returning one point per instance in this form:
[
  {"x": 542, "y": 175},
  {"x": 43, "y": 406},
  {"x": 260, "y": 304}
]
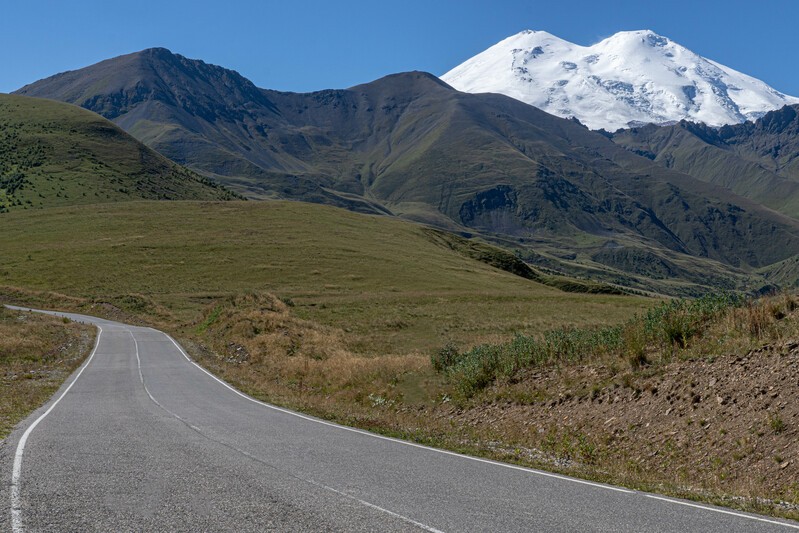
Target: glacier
[{"x": 629, "y": 79}]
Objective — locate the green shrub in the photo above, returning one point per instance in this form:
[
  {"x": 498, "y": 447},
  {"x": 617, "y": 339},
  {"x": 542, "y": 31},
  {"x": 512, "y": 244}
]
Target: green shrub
[
  {"x": 667, "y": 326},
  {"x": 445, "y": 357}
]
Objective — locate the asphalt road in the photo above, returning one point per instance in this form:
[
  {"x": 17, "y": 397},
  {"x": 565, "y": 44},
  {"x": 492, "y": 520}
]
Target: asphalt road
[{"x": 142, "y": 439}]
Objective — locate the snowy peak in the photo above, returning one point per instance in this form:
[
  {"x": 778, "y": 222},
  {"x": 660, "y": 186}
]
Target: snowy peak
[
  {"x": 628, "y": 79},
  {"x": 645, "y": 38}
]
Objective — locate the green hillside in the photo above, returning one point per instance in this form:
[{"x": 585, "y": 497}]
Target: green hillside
[
  {"x": 393, "y": 286},
  {"x": 55, "y": 154}
]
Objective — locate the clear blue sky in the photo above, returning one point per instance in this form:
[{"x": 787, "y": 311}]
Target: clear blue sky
[{"x": 301, "y": 45}]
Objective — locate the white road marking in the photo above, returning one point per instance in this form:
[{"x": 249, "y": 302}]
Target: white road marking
[
  {"x": 722, "y": 511},
  {"x": 398, "y": 441},
  {"x": 378, "y": 508},
  {"x": 141, "y": 377},
  {"x": 247, "y": 454},
  {"x": 16, "y": 499}
]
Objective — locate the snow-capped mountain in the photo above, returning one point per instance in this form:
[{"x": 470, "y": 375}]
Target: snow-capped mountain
[{"x": 631, "y": 78}]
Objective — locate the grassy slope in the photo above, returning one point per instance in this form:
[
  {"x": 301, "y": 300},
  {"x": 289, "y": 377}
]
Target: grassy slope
[
  {"x": 54, "y": 154},
  {"x": 386, "y": 281},
  {"x": 785, "y": 273},
  {"x": 37, "y": 353}
]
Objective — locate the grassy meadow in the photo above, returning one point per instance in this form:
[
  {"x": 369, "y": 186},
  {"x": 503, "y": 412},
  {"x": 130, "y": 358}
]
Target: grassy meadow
[{"x": 385, "y": 283}]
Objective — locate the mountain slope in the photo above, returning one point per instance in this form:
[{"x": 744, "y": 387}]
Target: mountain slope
[
  {"x": 206, "y": 117},
  {"x": 759, "y": 160},
  {"x": 57, "y": 154},
  {"x": 409, "y": 144},
  {"x": 630, "y": 78}
]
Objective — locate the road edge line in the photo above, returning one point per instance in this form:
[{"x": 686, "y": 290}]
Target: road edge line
[
  {"x": 392, "y": 439},
  {"x": 16, "y": 472},
  {"x": 722, "y": 511}
]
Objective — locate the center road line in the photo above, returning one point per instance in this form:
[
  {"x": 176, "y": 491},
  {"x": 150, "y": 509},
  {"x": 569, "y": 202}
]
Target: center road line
[
  {"x": 250, "y": 456},
  {"x": 373, "y": 506}
]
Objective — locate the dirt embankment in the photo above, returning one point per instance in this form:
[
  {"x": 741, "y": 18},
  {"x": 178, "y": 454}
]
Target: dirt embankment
[{"x": 727, "y": 425}]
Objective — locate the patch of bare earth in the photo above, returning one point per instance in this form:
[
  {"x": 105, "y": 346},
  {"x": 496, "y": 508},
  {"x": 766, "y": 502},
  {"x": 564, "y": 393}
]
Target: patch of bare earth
[{"x": 725, "y": 426}]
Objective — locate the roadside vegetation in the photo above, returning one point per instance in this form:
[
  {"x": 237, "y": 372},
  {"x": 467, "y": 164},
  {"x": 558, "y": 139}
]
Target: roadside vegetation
[
  {"x": 37, "y": 353},
  {"x": 655, "y": 337},
  {"x": 693, "y": 398}
]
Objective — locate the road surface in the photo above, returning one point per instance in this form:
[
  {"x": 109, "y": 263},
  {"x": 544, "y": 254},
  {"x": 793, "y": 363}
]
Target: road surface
[{"x": 142, "y": 439}]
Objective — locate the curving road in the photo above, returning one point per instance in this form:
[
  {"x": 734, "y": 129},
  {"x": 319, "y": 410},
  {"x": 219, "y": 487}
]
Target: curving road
[{"x": 142, "y": 439}]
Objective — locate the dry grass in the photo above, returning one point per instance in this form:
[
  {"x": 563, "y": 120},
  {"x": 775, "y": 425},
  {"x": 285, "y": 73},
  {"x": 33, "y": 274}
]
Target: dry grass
[
  {"x": 744, "y": 328},
  {"x": 37, "y": 353},
  {"x": 254, "y": 340}
]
